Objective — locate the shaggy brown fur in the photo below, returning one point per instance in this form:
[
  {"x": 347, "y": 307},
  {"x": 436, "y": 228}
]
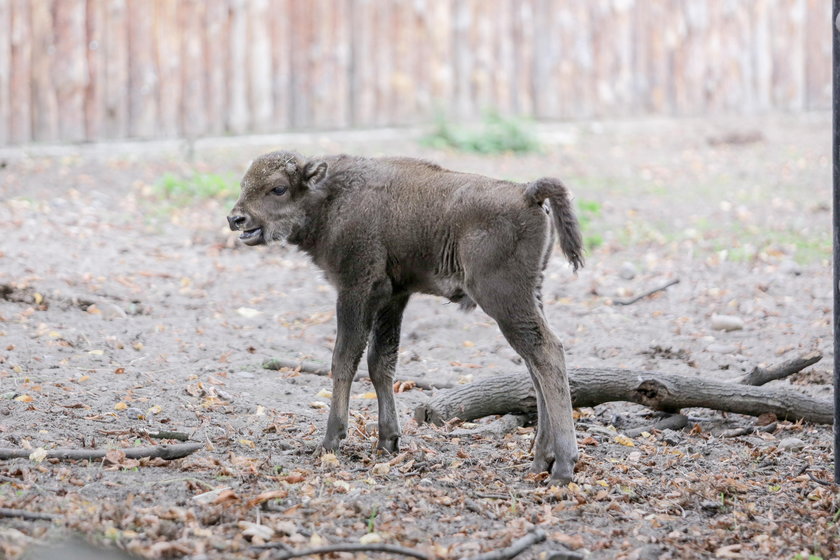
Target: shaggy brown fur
[{"x": 382, "y": 229}]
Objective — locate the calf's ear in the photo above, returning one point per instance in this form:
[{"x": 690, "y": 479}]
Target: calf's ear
[{"x": 314, "y": 172}]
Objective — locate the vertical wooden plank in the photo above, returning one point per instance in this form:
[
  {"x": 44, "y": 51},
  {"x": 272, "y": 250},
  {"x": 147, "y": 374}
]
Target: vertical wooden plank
[
  {"x": 143, "y": 74},
  {"x": 193, "y": 111},
  {"x": 5, "y": 69},
  {"x": 168, "y": 58},
  {"x": 44, "y": 99},
  {"x": 259, "y": 66},
  {"x": 96, "y": 55},
  {"x": 299, "y": 46},
  {"x": 215, "y": 49},
  {"x": 383, "y": 60},
  {"x": 524, "y": 47},
  {"x": 116, "y": 70},
  {"x": 787, "y": 32},
  {"x": 363, "y": 62},
  {"x": 401, "y": 81},
  {"x": 436, "y": 21},
  {"x": 817, "y": 55},
  {"x": 502, "y": 71},
  {"x": 69, "y": 68},
  {"x": 21, "y": 73},
  {"x": 238, "y": 116},
  {"x": 280, "y": 63},
  {"x": 480, "y": 43},
  {"x": 462, "y": 61}
]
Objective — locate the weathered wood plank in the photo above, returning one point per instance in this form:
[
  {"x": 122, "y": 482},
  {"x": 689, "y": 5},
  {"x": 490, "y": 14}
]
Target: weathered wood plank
[
  {"x": 281, "y": 63},
  {"x": 215, "y": 47},
  {"x": 260, "y": 81},
  {"x": 192, "y": 109},
  {"x": 116, "y": 88},
  {"x": 44, "y": 98},
  {"x": 20, "y": 126},
  {"x": 95, "y": 56},
  {"x": 5, "y": 69},
  {"x": 168, "y": 54},
  {"x": 143, "y": 72},
  {"x": 69, "y": 67},
  {"x": 818, "y": 79}
]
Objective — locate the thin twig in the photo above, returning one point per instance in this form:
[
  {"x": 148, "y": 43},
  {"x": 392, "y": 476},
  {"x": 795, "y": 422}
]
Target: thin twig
[
  {"x": 631, "y": 301},
  {"x": 30, "y": 515},
  {"x": 346, "y": 547},
  {"x": 518, "y": 547},
  {"x": 176, "y": 451}
]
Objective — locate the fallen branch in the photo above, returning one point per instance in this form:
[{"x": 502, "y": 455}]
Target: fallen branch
[
  {"x": 662, "y": 288},
  {"x": 317, "y": 368},
  {"x": 168, "y": 452},
  {"x": 518, "y": 547},
  {"x": 760, "y": 376},
  {"x": 348, "y": 547},
  {"x": 514, "y": 394},
  {"x": 28, "y": 515}
]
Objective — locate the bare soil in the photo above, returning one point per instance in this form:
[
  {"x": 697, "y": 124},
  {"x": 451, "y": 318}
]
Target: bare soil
[{"x": 124, "y": 310}]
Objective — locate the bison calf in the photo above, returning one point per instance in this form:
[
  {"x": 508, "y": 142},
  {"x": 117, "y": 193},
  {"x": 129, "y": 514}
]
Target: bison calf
[{"x": 382, "y": 229}]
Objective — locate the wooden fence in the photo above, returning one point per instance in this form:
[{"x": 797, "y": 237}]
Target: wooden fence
[{"x": 74, "y": 70}]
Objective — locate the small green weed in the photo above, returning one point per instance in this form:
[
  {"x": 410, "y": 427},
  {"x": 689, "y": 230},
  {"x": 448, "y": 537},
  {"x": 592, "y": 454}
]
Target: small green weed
[
  {"x": 587, "y": 210},
  {"x": 371, "y": 522},
  {"x": 497, "y": 135},
  {"x": 197, "y": 186}
]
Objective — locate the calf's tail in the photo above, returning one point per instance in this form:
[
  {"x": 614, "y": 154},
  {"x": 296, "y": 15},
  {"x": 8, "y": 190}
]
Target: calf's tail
[{"x": 565, "y": 220}]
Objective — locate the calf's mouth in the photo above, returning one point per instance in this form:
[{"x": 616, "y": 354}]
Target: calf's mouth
[{"x": 252, "y": 236}]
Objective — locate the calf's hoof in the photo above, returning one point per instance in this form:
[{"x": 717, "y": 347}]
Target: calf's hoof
[
  {"x": 390, "y": 444},
  {"x": 328, "y": 445}
]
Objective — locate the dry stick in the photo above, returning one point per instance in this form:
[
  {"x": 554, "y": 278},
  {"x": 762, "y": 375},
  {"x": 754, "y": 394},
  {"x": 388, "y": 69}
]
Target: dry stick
[
  {"x": 760, "y": 376},
  {"x": 646, "y": 294},
  {"x": 162, "y": 451},
  {"x": 30, "y": 515},
  {"x": 518, "y": 547},
  {"x": 316, "y": 368},
  {"x": 348, "y": 547}
]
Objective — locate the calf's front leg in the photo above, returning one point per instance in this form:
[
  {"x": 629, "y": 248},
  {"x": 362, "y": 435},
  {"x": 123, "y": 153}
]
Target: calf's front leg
[{"x": 354, "y": 313}]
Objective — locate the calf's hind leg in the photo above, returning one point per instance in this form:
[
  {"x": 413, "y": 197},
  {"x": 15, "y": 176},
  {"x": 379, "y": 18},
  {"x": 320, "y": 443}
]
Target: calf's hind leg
[
  {"x": 508, "y": 296},
  {"x": 382, "y": 361}
]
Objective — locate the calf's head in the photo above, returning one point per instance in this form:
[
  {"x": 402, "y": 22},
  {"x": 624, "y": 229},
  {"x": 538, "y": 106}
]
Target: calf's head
[{"x": 271, "y": 204}]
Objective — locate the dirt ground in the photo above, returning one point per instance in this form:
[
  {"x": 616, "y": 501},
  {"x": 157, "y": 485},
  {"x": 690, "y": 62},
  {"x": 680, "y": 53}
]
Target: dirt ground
[{"x": 124, "y": 309}]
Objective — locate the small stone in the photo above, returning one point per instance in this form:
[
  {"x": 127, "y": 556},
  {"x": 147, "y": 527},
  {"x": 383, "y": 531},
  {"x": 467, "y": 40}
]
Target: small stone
[
  {"x": 790, "y": 267},
  {"x": 244, "y": 374},
  {"x": 791, "y": 444},
  {"x": 254, "y": 530},
  {"x": 208, "y": 497},
  {"x": 110, "y": 311},
  {"x": 727, "y": 323},
  {"x": 134, "y": 413},
  {"x": 627, "y": 271},
  {"x": 722, "y": 349}
]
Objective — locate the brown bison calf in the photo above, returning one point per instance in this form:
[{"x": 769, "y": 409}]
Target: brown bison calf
[{"x": 382, "y": 229}]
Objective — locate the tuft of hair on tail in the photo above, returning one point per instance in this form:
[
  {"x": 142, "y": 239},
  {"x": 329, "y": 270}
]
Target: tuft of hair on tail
[{"x": 565, "y": 221}]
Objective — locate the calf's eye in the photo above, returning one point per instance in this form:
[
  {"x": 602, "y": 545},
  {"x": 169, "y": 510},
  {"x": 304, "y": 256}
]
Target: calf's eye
[{"x": 279, "y": 190}]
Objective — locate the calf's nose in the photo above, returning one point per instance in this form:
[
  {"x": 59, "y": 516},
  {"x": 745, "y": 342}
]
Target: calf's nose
[{"x": 236, "y": 222}]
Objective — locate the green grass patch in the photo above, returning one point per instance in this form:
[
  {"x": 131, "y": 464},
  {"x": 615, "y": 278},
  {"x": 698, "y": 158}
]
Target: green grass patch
[
  {"x": 588, "y": 210},
  {"x": 197, "y": 186},
  {"x": 496, "y": 135}
]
